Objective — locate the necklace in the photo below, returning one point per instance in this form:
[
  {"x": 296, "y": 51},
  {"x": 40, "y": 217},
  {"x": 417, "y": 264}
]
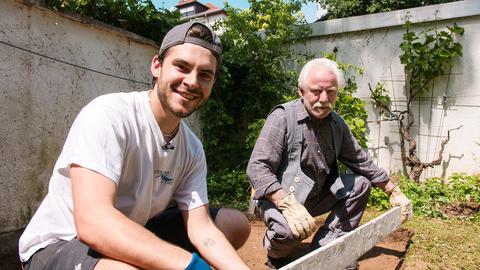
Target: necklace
[{"x": 171, "y": 135}]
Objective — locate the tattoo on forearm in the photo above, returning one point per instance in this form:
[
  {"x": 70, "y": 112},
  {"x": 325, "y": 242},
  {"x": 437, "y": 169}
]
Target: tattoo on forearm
[{"x": 208, "y": 242}]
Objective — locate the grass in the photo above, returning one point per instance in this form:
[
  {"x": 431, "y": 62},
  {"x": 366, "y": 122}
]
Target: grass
[{"x": 443, "y": 244}]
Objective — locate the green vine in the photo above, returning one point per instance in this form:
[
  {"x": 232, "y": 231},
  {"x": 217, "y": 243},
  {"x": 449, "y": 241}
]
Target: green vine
[
  {"x": 425, "y": 56},
  {"x": 137, "y": 16}
]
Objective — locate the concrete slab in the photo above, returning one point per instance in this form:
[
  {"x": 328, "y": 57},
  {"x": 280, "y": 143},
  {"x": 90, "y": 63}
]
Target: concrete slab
[{"x": 345, "y": 250}]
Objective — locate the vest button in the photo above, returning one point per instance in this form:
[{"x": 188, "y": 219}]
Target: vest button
[
  {"x": 296, "y": 179},
  {"x": 291, "y": 188}
]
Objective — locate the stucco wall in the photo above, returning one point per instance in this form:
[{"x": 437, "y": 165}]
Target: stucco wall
[
  {"x": 51, "y": 66},
  {"x": 372, "y": 42}
]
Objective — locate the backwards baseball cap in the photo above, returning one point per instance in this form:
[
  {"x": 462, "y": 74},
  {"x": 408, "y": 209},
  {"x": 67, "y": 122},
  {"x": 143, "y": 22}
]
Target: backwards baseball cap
[{"x": 178, "y": 35}]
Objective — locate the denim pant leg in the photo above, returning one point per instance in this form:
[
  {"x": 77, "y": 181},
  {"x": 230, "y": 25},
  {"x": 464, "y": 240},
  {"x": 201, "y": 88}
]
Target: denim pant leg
[
  {"x": 344, "y": 214},
  {"x": 278, "y": 240}
]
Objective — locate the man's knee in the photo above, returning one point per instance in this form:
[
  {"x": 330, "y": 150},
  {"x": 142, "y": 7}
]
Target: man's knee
[
  {"x": 107, "y": 264},
  {"x": 279, "y": 240},
  {"x": 234, "y": 225},
  {"x": 364, "y": 185}
]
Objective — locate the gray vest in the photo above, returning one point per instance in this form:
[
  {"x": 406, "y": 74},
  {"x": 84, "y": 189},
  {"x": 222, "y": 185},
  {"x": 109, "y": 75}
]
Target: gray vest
[{"x": 290, "y": 174}]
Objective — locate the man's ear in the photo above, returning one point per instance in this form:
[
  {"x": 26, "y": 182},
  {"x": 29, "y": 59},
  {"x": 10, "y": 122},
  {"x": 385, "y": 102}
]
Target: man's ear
[
  {"x": 300, "y": 92},
  {"x": 156, "y": 66}
]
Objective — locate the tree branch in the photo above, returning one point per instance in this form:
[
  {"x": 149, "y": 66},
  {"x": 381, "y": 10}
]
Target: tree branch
[{"x": 440, "y": 152}]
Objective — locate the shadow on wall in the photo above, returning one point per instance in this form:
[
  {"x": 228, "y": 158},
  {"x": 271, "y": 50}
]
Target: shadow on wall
[{"x": 9, "y": 251}]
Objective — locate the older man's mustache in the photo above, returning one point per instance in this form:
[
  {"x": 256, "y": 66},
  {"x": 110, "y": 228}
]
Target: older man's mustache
[{"x": 319, "y": 105}]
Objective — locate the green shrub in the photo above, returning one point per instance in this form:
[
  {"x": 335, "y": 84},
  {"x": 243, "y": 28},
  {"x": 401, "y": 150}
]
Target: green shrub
[
  {"x": 229, "y": 188},
  {"x": 430, "y": 197},
  {"x": 137, "y": 16}
]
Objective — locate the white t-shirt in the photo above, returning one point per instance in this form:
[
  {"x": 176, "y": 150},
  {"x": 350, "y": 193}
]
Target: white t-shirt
[{"x": 117, "y": 136}]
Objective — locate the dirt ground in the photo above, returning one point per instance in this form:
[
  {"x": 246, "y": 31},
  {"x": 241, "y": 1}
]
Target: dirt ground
[{"x": 387, "y": 255}]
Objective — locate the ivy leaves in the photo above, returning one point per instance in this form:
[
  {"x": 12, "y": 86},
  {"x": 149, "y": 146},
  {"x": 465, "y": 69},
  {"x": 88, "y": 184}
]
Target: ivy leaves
[{"x": 138, "y": 16}]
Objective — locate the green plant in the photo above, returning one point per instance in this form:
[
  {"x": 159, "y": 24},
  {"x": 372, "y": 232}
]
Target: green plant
[
  {"x": 253, "y": 132},
  {"x": 138, "y": 16},
  {"x": 432, "y": 197},
  {"x": 255, "y": 75},
  {"x": 347, "y": 8},
  {"x": 351, "y": 108},
  {"x": 229, "y": 188},
  {"x": 378, "y": 200},
  {"x": 425, "y": 57}
]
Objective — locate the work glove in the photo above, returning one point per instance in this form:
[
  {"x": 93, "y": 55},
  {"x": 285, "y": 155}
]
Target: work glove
[
  {"x": 397, "y": 198},
  {"x": 301, "y": 223}
]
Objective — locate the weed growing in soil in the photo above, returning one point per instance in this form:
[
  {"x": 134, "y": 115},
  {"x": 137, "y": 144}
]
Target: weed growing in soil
[{"x": 459, "y": 197}]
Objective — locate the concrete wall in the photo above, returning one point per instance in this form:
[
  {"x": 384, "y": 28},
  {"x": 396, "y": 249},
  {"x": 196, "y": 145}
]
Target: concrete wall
[
  {"x": 372, "y": 42},
  {"x": 51, "y": 65}
]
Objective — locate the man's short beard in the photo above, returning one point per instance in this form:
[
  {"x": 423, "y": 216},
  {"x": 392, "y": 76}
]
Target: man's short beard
[{"x": 163, "y": 100}]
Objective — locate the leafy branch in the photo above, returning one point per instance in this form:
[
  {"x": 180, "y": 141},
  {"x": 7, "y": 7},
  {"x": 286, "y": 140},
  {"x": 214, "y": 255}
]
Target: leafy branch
[{"x": 138, "y": 16}]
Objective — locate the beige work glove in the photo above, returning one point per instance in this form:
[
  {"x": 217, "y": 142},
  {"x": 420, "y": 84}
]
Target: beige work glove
[
  {"x": 397, "y": 198},
  {"x": 301, "y": 223}
]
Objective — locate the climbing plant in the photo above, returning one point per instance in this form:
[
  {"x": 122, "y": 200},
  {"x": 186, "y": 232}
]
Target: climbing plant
[
  {"x": 347, "y": 8},
  {"x": 425, "y": 55},
  {"x": 138, "y": 16}
]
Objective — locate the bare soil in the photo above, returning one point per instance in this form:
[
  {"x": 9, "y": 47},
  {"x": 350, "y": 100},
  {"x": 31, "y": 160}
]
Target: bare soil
[
  {"x": 461, "y": 209},
  {"x": 387, "y": 255}
]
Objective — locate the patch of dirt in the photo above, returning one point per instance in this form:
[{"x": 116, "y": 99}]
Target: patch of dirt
[
  {"x": 387, "y": 255},
  {"x": 461, "y": 209}
]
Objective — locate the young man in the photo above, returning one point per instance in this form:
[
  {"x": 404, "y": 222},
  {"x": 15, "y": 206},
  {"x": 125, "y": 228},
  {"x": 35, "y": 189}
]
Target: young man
[
  {"x": 129, "y": 188},
  {"x": 293, "y": 168}
]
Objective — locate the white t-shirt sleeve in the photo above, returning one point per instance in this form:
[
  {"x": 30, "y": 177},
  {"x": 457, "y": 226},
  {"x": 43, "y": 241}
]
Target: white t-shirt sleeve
[
  {"x": 192, "y": 192},
  {"x": 96, "y": 141}
]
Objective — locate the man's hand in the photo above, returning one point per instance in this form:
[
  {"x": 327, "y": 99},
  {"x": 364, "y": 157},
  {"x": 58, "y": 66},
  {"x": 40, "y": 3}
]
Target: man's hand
[
  {"x": 301, "y": 223},
  {"x": 397, "y": 198}
]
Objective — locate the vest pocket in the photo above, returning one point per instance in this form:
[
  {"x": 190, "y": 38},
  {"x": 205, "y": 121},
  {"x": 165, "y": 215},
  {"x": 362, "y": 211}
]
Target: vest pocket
[{"x": 299, "y": 185}]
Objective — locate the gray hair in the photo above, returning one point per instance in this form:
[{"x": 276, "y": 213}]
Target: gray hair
[{"x": 330, "y": 65}]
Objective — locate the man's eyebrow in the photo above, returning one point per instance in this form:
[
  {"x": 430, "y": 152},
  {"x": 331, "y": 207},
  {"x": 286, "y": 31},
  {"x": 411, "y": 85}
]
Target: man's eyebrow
[
  {"x": 181, "y": 61},
  {"x": 324, "y": 88}
]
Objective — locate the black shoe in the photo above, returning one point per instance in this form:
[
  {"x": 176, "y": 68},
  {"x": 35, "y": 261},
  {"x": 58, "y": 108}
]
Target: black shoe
[{"x": 277, "y": 263}]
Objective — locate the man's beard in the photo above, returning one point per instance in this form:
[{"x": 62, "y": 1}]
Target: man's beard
[{"x": 165, "y": 104}]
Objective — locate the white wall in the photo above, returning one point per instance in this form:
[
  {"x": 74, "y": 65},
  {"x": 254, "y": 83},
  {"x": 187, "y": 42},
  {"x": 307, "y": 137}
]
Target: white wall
[{"x": 372, "y": 42}]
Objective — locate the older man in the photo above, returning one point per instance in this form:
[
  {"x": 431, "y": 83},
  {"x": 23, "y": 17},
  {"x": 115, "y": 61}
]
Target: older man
[
  {"x": 129, "y": 190},
  {"x": 293, "y": 168}
]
